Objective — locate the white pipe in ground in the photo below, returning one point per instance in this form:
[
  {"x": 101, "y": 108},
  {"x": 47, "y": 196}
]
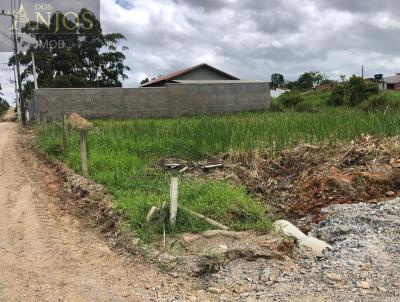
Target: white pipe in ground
[{"x": 288, "y": 229}]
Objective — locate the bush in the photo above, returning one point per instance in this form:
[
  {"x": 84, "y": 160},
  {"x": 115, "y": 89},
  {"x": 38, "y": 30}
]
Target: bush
[
  {"x": 276, "y": 106},
  {"x": 370, "y": 90},
  {"x": 360, "y": 90},
  {"x": 3, "y": 106},
  {"x": 291, "y": 99},
  {"x": 338, "y": 96},
  {"x": 382, "y": 102},
  {"x": 352, "y": 92}
]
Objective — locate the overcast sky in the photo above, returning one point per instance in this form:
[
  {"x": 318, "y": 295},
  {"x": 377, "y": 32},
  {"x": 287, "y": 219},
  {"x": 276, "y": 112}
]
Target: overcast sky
[{"x": 253, "y": 38}]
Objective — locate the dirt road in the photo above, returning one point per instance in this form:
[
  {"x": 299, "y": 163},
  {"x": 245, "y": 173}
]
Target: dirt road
[{"x": 46, "y": 256}]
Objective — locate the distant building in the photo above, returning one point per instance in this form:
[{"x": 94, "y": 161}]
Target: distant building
[
  {"x": 202, "y": 72},
  {"x": 278, "y": 92},
  {"x": 386, "y": 83},
  {"x": 392, "y": 82}
]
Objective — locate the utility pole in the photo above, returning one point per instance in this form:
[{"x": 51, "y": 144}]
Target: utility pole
[
  {"x": 34, "y": 71},
  {"x": 20, "y": 98},
  {"x": 16, "y": 89}
]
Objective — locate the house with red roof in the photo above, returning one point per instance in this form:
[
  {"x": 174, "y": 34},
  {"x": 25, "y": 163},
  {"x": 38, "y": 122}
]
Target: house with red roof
[{"x": 202, "y": 73}]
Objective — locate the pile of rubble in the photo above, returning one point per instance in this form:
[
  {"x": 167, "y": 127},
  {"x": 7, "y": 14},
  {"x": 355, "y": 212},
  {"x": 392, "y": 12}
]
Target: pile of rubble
[
  {"x": 362, "y": 263},
  {"x": 302, "y": 181}
]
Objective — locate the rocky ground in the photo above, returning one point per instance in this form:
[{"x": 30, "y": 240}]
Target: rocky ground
[{"x": 363, "y": 264}]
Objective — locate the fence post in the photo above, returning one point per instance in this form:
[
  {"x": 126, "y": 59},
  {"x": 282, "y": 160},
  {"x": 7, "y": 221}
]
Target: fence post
[
  {"x": 44, "y": 116},
  {"x": 39, "y": 120},
  {"x": 174, "y": 201},
  {"x": 64, "y": 131},
  {"x": 84, "y": 157},
  {"x": 53, "y": 128}
]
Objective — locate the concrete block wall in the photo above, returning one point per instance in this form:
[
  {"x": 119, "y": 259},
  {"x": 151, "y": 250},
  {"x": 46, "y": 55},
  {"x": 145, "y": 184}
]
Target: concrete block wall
[
  {"x": 174, "y": 100},
  {"x": 195, "y": 99}
]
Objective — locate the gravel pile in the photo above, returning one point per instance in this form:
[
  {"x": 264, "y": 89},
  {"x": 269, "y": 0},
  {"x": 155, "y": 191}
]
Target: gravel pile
[{"x": 363, "y": 265}]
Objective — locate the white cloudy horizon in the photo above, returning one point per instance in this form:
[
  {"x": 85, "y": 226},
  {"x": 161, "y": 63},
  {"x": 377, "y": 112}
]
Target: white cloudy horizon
[{"x": 252, "y": 39}]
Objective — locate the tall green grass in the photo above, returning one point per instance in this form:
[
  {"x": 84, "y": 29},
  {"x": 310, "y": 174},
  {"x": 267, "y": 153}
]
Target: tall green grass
[
  {"x": 198, "y": 137},
  {"x": 125, "y": 156}
]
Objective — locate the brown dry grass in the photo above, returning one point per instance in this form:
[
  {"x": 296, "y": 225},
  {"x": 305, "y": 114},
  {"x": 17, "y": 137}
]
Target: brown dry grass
[{"x": 304, "y": 180}]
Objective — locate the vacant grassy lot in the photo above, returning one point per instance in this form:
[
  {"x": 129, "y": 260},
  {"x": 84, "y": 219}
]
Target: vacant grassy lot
[{"x": 124, "y": 155}]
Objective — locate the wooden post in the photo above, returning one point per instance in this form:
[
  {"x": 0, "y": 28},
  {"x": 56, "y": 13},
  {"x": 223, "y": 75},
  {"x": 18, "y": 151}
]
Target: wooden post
[
  {"x": 84, "y": 157},
  {"x": 64, "y": 131},
  {"x": 40, "y": 121},
  {"x": 44, "y": 116},
  {"x": 53, "y": 128},
  {"x": 174, "y": 200},
  {"x": 83, "y": 126}
]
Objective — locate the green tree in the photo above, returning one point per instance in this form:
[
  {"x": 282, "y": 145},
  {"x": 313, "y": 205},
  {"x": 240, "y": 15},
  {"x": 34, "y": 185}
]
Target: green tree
[
  {"x": 309, "y": 80},
  {"x": 277, "y": 81},
  {"x": 85, "y": 56}
]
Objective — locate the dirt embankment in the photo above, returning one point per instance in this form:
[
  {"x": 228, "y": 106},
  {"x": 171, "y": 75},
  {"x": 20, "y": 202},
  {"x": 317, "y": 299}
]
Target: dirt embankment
[{"x": 300, "y": 182}]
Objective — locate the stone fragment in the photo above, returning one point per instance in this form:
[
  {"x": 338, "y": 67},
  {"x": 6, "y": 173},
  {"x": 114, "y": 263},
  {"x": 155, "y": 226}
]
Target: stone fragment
[
  {"x": 363, "y": 285},
  {"x": 215, "y": 290},
  {"x": 333, "y": 277},
  {"x": 390, "y": 194}
]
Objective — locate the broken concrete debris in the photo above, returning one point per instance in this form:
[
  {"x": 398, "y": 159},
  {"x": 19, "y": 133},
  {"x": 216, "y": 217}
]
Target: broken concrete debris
[
  {"x": 172, "y": 166},
  {"x": 288, "y": 229},
  {"x": 215, "y": 166}
]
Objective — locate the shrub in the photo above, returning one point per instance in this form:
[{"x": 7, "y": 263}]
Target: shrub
[
  {"x": 291, "y": 99},
  {"x": 352, "y": 92},
  {"x": 382, "y": 102},
  {"x": 276, "y": 106},
  {"x": 360, "y": 90},
  {"x": 3, "y": 106},
  {"x": 338, "y": 96},
  {"x": 370, "y": 89}
]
